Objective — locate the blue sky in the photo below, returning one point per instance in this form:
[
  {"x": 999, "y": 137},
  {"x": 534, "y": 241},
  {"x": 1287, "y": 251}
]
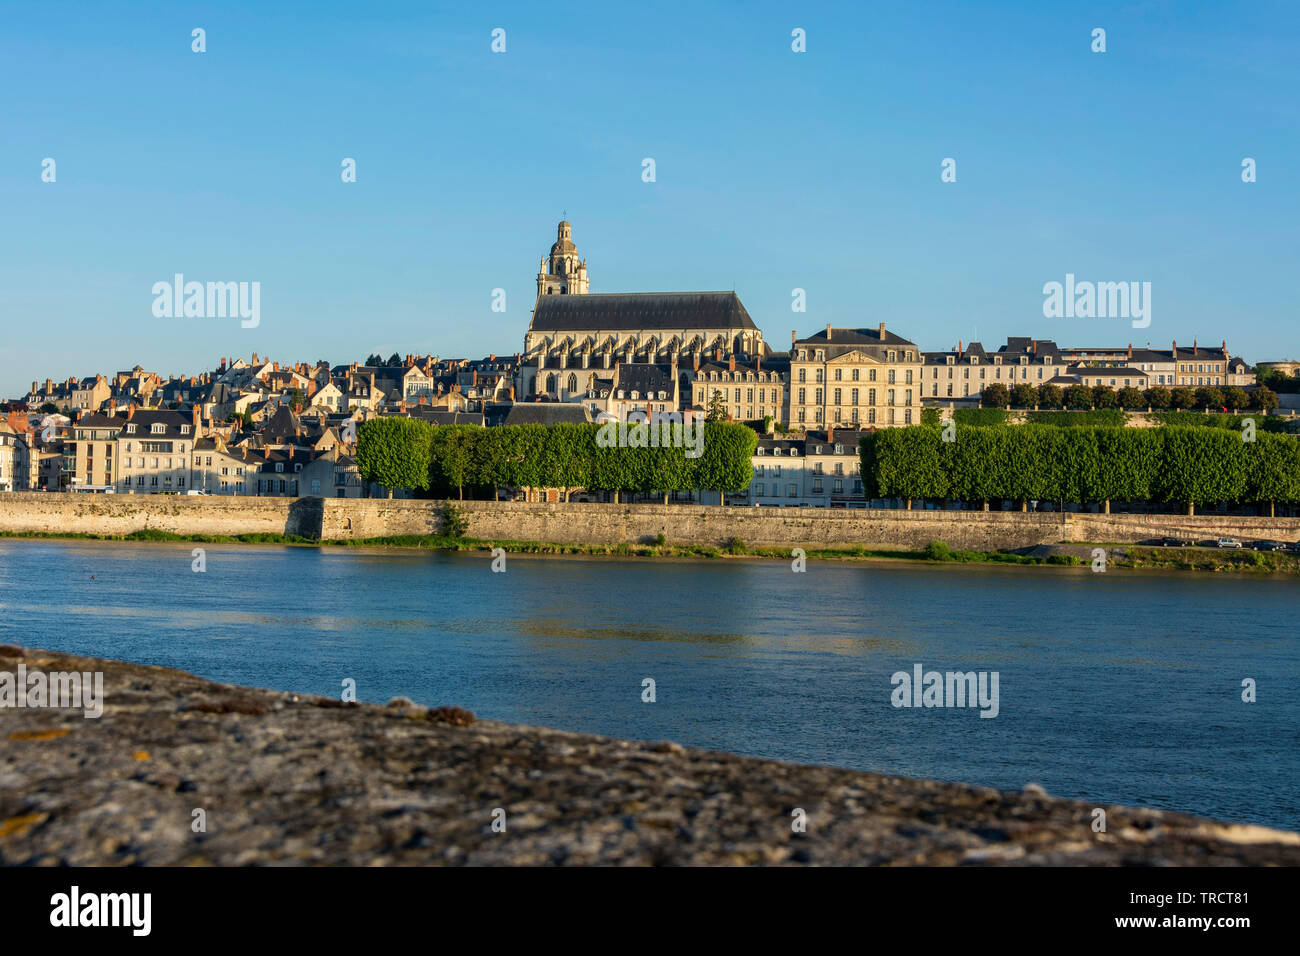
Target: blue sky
[{"x": 775, "y": 170}]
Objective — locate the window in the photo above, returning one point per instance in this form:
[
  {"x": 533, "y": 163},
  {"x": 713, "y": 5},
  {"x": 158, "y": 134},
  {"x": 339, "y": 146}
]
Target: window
[
  {"x": 792, "y": 490},
  {"x": 759, "y": 489}
]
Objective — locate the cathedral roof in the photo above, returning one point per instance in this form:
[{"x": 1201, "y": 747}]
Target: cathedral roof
[{"x": 631, "y": 311}]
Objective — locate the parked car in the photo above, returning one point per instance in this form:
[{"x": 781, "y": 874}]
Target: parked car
[
  {"x": 1172, "y": 543},
  {"x": 1227, "y": 543},
  {"x": 1267, "y": 546}
]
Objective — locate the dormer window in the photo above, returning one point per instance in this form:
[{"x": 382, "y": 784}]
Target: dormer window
[
  {"x": 951, "y": 360},
  {"x": 185, "y": 429},
  {"x": 793, "y": 452},
  {"x": 158, "y": 428},
  {"x": 279, "y": 466},
  {"x": 130, "y": 429}
]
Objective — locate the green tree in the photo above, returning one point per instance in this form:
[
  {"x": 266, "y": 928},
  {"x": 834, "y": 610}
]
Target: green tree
[
  {"x": 1157, "y": 397},
  {"x": 452, "y": 458},
  {"x": 1182, "y": 397},
  {"x": 1208, "y": 396},
  {"x": 1103, "y": 396},
  {"x": 1050, "y": 396},
  {"x": 1078, "y": 397},
  {"x": 1023, "y": 395},
  {"x": 394, "y": 452},
  {"x": 1130, "y": 398},
  {"x": 1235, "y": 398},
  {"x": 995, "y": 396},
  {"x": 717, "y": 408},
  {"x": 727, "y": 460},
  {"x": 1263, "y": 399}
]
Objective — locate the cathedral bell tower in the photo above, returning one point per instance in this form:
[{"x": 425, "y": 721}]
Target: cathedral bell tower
[{"x": 562, "y": 272}]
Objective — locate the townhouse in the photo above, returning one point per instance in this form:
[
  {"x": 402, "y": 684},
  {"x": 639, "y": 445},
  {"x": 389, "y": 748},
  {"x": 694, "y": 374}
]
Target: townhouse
[
  {"x": 747, "y": 390},
  {"x": 854, "y": 377},
  {"x": 817, "y": 469}
]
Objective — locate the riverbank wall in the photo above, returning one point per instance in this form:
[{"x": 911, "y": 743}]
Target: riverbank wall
[{"x": 608, "y": 524}]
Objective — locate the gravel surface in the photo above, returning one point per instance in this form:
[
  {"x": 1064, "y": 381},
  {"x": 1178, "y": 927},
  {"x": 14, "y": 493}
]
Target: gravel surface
[{"x": 291, "y": 779}]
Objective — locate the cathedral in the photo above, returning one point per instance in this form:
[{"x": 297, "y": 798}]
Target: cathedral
[{"x": 579, "y": 346}]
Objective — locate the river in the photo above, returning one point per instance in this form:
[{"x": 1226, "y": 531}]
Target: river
[{"x": 1121, "y": 687}]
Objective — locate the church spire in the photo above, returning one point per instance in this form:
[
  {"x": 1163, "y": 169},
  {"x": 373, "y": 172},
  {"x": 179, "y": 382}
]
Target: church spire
[{"x": 563, "y": 272}]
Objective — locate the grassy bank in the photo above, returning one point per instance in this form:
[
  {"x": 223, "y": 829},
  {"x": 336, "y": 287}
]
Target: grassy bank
[{"x": 936, "y": 552}]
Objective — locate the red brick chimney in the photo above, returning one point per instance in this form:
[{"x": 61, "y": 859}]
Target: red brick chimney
[
  {"x": 758, "y": 363},
  {"x": 830, "y": 433},
  {"x": 195, "y": 417},
  {"x": 794, "y": 336},
  {"x": 1130, "y": 350},
  {"x": 1194, "y": 351},
  {"x": 882, "y": 331},
  {"x": 731, "y": 364}
]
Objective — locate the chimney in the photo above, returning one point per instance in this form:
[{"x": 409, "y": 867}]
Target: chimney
[
  {"x": 882, "y": 331},
  {"x": 697, "y": 360},
  {"x": 731, "y": 364},
  {"x": 130, "y": 411},
  {"x": 830, "y": 433},
  {"x": 1130, "y": 350},
  {"x": 959, "y": 348},
  {"x": 1174, "y": 354},
  {"x": 719, "y": 357},
  {"x": 512, "y": 393},
  {"x": 794, "y": 336},
  {"x": 1194, "y": 352},
  {"x": 1035, "y": 348},
  {"x": 828, "y": 331},
  {"x": 758, "y": 362},
  {"x": 492, "y": 357},
  {"x": 195, "y": 417}
]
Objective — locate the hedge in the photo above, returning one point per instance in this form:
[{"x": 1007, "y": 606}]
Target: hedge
[{"x": 1173, "y": 464}]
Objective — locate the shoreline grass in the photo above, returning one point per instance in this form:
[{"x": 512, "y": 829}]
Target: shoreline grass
[{"x": 936, "y": 552}]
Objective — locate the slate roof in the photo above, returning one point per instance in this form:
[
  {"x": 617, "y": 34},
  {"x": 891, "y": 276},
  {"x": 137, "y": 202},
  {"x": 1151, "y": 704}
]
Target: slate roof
[
  {"x": 548, "y": 413},
  {"x": 629, "y": 311}
]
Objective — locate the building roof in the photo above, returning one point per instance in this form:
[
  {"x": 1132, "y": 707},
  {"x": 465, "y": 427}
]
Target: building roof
[
  {"x": 548, "y": 413},
  {"x": 851, "y": 337},
  {"x": 629, "y": 311}
]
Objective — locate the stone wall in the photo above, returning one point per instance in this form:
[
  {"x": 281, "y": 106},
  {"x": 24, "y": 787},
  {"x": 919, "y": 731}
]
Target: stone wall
[
  {"x": 805, "y": 527},
  {"x": 68, "y": 513},
  {"x": 334, "y": 518}
]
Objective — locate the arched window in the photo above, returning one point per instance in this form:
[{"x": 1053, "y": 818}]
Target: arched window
[{"x": 573, "y": 384}]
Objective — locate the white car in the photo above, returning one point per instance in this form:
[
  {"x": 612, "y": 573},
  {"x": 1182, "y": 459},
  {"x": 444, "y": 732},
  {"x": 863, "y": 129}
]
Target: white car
[{"x": 1228, "y": 543}]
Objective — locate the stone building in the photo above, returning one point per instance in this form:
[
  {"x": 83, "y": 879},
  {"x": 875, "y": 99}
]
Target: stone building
[
  {"x": 854, "y": 377},
  {"x": 750, "y": 391}
]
